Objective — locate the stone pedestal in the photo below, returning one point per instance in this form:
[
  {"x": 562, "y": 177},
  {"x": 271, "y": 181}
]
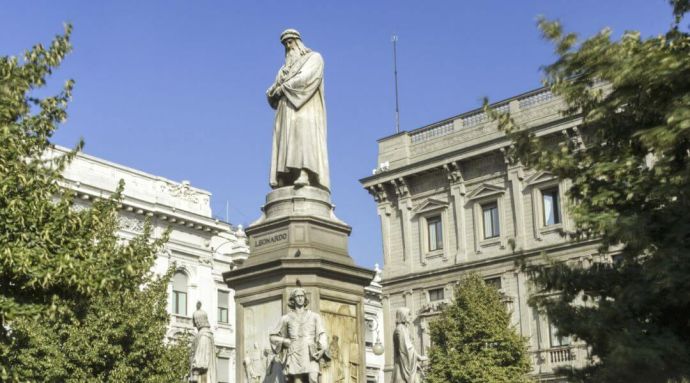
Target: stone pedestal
[{"x": 298, "y": 237}]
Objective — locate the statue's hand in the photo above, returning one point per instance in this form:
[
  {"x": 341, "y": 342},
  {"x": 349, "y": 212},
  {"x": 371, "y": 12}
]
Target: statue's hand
[{"x": 286, "y": 342}]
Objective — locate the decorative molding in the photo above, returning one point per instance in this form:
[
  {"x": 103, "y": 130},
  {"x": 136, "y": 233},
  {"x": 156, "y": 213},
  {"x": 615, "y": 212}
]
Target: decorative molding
[
  {"x": 184, "y": 191},
  {"x": 401, "y": 187},
  {"x": 539, "y": 178},
  {"x": 429, "y": 205},
  {"x": 131, "y": 223},
  {"x": 453, "y": 172},
  {"x": 485, "y": 190},
  {"x": 378, "y": 192}
]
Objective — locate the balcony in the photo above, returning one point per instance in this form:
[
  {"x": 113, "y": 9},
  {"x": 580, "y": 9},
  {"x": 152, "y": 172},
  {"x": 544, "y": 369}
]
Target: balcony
[{"x": 547, "y": 361}]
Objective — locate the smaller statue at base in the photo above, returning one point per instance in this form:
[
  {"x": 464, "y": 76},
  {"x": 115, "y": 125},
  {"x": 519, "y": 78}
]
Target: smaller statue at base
[
  {"x": 203, "y": 356},
  {"x": 300, "y": 340},
  {"x": 406, "y": 360}
]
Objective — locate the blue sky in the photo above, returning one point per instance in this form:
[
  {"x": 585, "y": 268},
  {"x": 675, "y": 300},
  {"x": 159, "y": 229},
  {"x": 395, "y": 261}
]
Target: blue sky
[{"x": 176, "y": 88}]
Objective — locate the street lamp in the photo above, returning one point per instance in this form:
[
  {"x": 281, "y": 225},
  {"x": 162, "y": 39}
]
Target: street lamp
[{"x": 373, "y": 325}]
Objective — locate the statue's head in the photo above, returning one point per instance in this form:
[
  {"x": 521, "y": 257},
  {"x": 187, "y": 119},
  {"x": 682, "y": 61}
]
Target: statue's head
[
  {"x": 402, "y": 315},
  {"x": 200, "y": 318},
  {"x": 298, "y": 298},
  {"x": 294, "y": 47}
]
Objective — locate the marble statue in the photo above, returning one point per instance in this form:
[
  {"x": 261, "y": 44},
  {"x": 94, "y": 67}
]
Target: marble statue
[
  {"x": 406, "y": 360},
  {"x": 299, "y": 155},
  {"x": 255, "y": 365},
  {"x": 300, "y": 340},
  {"x": 203, "y": 357}
]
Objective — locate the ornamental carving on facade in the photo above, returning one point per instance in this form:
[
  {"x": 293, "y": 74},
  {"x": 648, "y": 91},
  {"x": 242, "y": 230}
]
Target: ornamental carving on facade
[{"x": 131, "y": 224}]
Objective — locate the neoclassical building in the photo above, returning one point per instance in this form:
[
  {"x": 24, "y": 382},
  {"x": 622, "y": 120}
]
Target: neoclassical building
[
  {"x": 450, "y": 202},
  {"x": 200, "y": 247}
]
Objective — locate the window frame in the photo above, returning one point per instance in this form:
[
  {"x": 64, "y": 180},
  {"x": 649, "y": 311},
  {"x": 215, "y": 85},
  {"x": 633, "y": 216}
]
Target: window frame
[
  {"x": 486, "y": 194},
  {"x": 221, "y": 309},
  {"x": 494, "y": 220},
  {"x": 555, "y": 194},
  {"x": 427, "y": 210},
  {"x": 559, "y": 340},
  {"x": 435, "y": 290},
  {"x": 435, "y": 221},
  {"x": 536, "y": 185},
  {"x": 177, "y": 294}
]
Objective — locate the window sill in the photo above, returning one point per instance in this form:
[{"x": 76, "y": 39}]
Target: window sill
[
  {"x": 434, "y": 253},
  {"x": 550, "y": 229},
  {"x": 495, "y": 241}
]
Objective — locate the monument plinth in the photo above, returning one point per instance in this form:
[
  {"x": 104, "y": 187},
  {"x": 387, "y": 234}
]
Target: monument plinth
[{"x": 298, "y": 241}]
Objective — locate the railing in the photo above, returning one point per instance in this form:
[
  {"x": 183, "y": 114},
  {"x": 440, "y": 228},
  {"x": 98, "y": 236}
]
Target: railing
[
  {"x": 547, "y": 361},
  {"x": 433, "y": 132},
  {"x": 534, "y": 99},
  {"x": 478, "y": 117}
]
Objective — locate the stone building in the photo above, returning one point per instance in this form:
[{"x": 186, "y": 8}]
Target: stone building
[
  {"x": 200, "y": 246},
  {"x": 450, "y": 202}
]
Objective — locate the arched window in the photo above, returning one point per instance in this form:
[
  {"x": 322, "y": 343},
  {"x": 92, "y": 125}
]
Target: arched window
[{"x": 179, "y": 298}]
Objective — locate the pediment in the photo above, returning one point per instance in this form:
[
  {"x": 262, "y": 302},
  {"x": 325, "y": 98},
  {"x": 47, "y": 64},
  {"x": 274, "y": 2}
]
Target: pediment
[
  {"x": 430, "y": 204},
  {"x": 486, "y": 190},
  {"x": 539, "y": 177}
]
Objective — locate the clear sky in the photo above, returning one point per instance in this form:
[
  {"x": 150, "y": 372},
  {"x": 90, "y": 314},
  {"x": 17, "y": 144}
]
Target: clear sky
[{"x": 176, "y": 88}]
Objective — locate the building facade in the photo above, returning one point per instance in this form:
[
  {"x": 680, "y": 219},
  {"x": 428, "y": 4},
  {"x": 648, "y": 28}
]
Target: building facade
[
  {"x": 451, "y": 202},
  {"x": 200, "y": 247}
]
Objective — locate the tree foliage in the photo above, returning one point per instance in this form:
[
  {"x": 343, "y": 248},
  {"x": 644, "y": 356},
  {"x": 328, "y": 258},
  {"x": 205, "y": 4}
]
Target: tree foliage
[
  {"x": 76, "y": 302},
  {"x": 473, "y": 341},
  {"x": 631, "y": 189},
  {"x": 120, "y": 338}
]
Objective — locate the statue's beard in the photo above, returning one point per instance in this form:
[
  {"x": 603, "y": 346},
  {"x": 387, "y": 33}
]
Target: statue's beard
[{"x": 291, "y": 56}]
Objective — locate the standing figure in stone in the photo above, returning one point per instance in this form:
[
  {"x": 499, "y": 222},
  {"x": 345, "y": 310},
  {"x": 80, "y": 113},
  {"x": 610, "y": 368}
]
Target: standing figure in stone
[
  {"x": 203, "y": 356},
  {"x": 255, "y": 365},
  {"x": 405, "y": 358},
  {"x": 299, "y": 155},
  {"x": 300, "y": 339}
]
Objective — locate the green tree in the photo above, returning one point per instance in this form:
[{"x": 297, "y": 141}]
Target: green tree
[
  {"x": 631, "y": 189},
  {"x": 473, "y": 340},
  {"x": 121, "y": 338},
  {"x": 65, "y": 276}
]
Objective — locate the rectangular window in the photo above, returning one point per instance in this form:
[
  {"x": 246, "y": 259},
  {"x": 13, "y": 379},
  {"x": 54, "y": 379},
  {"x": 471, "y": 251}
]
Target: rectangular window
[
  {"x": 491, "y": 225},
  {"x": 551, "y": 206},
  {"x": 494, "y": 282},
  {"x": 179, "y": 303},
  {"x": 223, "y": 370},
  {"x": 436, "y": 295},
  {"x": 223, "y": 302},
  {"x": 435, "y": 233},
  {"x": 556, "y": 340}
]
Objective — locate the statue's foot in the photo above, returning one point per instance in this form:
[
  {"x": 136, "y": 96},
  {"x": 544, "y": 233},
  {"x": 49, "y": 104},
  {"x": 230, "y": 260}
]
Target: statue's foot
[{"x": 303, "y": 179}]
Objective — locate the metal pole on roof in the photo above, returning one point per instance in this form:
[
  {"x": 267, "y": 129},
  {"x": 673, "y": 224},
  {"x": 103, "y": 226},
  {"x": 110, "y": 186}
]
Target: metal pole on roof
[{"x": 394, "y": 39}]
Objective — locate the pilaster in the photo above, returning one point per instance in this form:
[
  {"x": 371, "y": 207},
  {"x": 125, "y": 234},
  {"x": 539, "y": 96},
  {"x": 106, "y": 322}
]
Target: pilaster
[
  {"x": 515, "y": 174},
  {"x": 457, "y": 193}
]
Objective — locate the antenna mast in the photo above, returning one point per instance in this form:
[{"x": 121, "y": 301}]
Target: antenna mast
[{"x": 394, "y": 39}]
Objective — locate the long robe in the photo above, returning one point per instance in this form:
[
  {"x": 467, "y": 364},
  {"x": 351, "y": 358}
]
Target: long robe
[
  {"x": 299, "y": 132},
  {"x": 405, "y": 357}
]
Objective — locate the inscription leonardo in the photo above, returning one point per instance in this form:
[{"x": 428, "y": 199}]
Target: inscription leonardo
[{"x": 280, "y": 237}]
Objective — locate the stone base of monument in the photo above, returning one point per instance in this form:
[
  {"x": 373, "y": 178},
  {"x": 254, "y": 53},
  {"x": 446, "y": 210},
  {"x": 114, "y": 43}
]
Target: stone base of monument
[{"x": 298, "y": 239}]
